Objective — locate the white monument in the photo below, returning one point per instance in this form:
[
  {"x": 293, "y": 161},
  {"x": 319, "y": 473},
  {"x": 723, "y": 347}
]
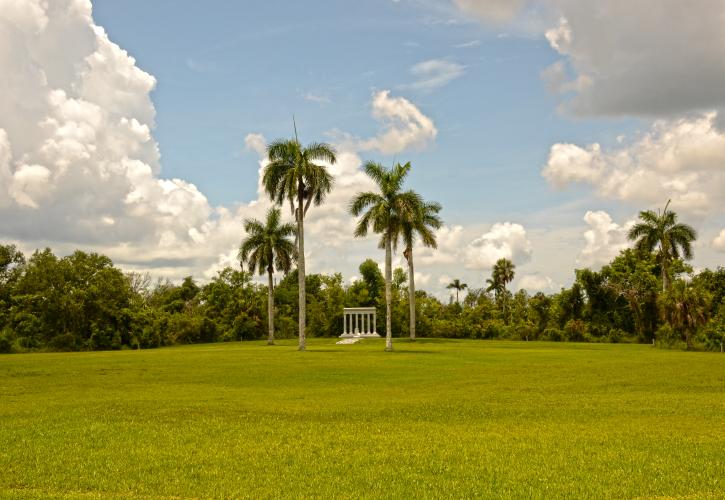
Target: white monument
[{"x": 359, "y": 322}]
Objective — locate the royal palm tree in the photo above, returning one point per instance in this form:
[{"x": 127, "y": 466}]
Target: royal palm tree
[
  {"x": 685, "y": 307},
  {"x": 384, "y": 213},
  {"x": 423, "y": 224},
  {"x": 266, "y": 247},
  {"x": 294, "y": 175},
  {"x": 457, "y": 286},
  {"x": 661, "y": 231}
]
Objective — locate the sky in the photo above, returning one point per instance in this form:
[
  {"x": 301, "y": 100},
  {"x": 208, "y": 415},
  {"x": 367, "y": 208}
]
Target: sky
[{"x": 138, "y": 129}]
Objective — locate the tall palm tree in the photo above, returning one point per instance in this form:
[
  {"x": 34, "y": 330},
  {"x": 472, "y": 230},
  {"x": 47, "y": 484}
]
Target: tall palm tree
[
  {"x": 661, "y": 231},
  {"x": 384, "y": 213},
  {"x": 293, "y": 175},
  {"x": 686, "y": 308},
  {"x": 425, "y": 220},
  {"x": 268, "y": 245},
  {"x": 457, "y": 286},
  {"x": 503, "y": 273}
]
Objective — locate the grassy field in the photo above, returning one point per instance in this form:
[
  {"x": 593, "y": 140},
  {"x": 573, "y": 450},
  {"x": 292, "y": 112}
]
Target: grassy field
[{"x": 434, "y": 418}]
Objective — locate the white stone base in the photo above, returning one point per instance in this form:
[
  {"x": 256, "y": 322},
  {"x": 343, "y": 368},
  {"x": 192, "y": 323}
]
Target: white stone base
[{"x": 348, "y": 341}]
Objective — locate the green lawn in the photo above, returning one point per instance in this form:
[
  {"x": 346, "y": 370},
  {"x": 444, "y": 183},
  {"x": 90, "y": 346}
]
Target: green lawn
[{"x": 433, "y": 418}]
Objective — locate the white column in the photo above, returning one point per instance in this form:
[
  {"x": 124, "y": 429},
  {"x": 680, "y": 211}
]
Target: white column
[
  {"x": 344, "y": 323},
  {"x": 375, "y": 322}
]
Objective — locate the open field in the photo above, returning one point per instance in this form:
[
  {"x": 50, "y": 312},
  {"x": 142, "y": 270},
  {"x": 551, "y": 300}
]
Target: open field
[{"x": 434, "y": 418}]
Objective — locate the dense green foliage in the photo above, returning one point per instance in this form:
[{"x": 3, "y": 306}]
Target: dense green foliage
[
  {"x": 83, "y": 302},
  {"x": 437, "y": 418}
]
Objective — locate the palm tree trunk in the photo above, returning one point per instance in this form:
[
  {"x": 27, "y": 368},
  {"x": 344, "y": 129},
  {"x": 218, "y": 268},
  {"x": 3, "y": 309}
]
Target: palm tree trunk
[
  {"x": 665, "y": 276},
  {"x": 388, "y": 295},
  {"x": 411, "y": 291},
  {"x": 301, "y": 268},
  {"x": 270, "y": 307},
  {"x": 457, "y": 303}
]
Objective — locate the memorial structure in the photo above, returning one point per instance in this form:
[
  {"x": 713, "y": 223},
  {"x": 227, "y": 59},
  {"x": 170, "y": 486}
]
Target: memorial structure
[{"x": 359, "y": 322}]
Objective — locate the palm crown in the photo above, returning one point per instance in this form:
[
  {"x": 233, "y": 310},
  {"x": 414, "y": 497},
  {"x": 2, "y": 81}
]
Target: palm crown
[
  {"x": 385, "y": 212},
  {"x": 293, "y": 174},
  {"x": 267, "y": 246},
  {"x": 661, "y": 231}
]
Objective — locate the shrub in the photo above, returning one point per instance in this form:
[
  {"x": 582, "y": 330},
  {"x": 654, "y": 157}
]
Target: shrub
[
  {"x": 6, "y": 345},
  {"x": 666, "y": 336},
  {"x": 576, "y": 330},
  {"x": 553, "y": 334},
  {"x": 65, "y": 342}
]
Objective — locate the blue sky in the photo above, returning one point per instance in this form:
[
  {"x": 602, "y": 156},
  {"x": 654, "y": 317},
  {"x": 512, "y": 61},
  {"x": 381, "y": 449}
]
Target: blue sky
[
  {"x": 225, "y": 69},
  {"x": 542, "y": 126}
]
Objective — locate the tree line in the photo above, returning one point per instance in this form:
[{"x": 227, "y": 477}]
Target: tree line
[{"x": 83, "y": 301}]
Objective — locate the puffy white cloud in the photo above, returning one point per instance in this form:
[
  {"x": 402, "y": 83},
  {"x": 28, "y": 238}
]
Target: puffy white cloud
[
  {"x": 719, "y": 242},
  {"x": 490, "y": 10},
  {"x": 604, "y": 239},
  {"x": 678, "y": 159},
  {"x": 536, "y": 283},
  {"x": 404, "y": 125},
  {"x": 433, "y": 74},
  {"x": 503, "y": 240}
]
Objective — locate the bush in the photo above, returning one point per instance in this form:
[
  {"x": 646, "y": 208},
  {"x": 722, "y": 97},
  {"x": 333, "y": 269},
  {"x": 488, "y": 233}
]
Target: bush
[
  {"x": 576, "y": 330},
  {"x": 616, "y": 336},
  {"x": 713, "y": 336},
  {"x": 552, "y": 334},
  {"x": 666, "y": 336},
  {"x": 65, "y": 342},
  {"x": 6, "y": 345}
]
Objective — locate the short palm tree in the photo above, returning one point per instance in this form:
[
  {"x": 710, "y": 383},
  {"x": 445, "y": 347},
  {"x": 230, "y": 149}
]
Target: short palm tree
[
  {"x": 503, "y": 273},
  {"x": 661, "y": 231},
  {"x": 685, "y": 307},
  {"x": 294, "y": 175},
  {"x": 266, "y": 247},
  {"x": 457, "y": 286},
  {"x": 423, "y": 224},
  {"x": 384, "y": 213}
]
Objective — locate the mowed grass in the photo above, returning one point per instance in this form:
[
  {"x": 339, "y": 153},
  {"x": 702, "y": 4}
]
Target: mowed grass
[{"x": 432, "y": 419}]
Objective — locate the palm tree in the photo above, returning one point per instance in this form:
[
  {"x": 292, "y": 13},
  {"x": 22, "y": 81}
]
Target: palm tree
[
  {"x": 457, "y": 286},
  {"x": 503, "y": 273},
  {"x": 268, "y": 246},
  {"x": 293, "y": 175},
  {"x": 661, "y": 231},
  {"x": 685, "y": 307},
  {"x": 422, "y": 225},
  {"x": 384, "y": 213}
]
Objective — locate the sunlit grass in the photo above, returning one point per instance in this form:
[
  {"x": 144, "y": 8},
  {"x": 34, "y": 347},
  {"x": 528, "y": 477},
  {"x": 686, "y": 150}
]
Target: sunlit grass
[{"x": 434, "y": 418}]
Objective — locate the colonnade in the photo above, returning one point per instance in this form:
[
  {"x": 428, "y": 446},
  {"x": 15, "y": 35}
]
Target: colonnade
[{"x": 360, "y": 322}]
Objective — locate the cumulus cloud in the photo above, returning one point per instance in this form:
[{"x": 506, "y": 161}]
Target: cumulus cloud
[
  {"x": 604, "y": 239},
  {"x": 433, "y": 74},
  {"x": 503, "y": 240},
  {"x": 719, "y": 242},
  {"x": 404, "y": 125},
  {"x": 78, "y": 162},
  {"x": 677, "y": 159},
  {"x": 536, "y": 283}
]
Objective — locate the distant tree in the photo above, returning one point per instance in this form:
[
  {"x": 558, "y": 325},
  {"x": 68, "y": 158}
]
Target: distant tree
[
  {"x": 503, "y": 273},
  {"x": 266, "y": 247},
  {"x": 384, "y": 212},
  {"x": 686, "y": 308},
  {"x": 457, "y": 286},
  {"x": 661, "y": 231},
  {"x": 293, "y": 175},
  {"x": 374, "y": 280}
]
